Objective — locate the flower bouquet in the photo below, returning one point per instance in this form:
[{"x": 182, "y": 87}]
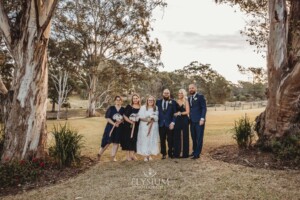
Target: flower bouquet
[
  {"x": 153, "y": 117},
  {"x": 118, "y": 118},
  {"x": 133, "y": 117}
]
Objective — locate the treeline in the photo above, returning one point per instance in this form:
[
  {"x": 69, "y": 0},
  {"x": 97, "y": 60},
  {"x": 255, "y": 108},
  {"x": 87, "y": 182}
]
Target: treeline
[
  {"x": 99, "y": 51},
  {"x": 115, "y": 78}
]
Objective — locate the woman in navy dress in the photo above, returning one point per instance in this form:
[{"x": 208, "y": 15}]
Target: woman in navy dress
[
  {"x": 114, "y": 117},
  {"x": 181, "y": 129},
  {"x": 129, "y": 137}
]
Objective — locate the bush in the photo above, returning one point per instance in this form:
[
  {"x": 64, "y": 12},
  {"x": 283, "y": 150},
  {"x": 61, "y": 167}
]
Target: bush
[
  {"x": 20, "y": 172},
  {"x": 287, "y": 148},
  {"x": 68, "y": 144},
  {"x": 243, "y": 132}
]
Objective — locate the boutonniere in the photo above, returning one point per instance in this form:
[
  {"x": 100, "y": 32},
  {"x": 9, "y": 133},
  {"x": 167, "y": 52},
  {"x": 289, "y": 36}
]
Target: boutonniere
[
  {"x": 195, "y": 99},
  {"x": 170, "y": 102}
]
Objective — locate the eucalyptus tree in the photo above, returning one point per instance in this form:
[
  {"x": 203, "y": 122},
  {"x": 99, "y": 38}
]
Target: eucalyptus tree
[
  {"x": 108, "y": 30},
  {"x": 281, "y": 117},
  {"x": 25, "y": 27},
  {"x": 206, "y": 78}
]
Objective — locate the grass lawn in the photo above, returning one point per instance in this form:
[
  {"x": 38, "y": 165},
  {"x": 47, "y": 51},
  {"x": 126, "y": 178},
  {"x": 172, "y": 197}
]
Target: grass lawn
[
  {"x": 204, "y": 178},
  {"x": 217, "y": 131}
]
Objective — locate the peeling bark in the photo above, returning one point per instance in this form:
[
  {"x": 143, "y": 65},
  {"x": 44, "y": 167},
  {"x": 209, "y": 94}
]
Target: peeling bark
[
  {"x": 3, "y": 88},
  {"x": 282, "y": 114},
  {"x": 25, "y": 121}
]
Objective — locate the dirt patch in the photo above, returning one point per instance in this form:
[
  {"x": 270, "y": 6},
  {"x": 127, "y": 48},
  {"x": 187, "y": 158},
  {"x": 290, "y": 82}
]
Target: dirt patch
[
  {"x": 251, "y": 158},
  {"x": 50, "y": 175}
]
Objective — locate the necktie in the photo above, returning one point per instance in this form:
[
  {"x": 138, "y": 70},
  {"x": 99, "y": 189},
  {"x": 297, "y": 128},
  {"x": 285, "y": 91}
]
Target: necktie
[{"x": 165, "y": 105}]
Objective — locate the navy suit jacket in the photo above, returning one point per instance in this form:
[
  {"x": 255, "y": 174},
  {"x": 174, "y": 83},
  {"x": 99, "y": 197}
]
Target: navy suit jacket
[
  {"x": 166, "y": 117},
  {"x": 197, "y": 108}
]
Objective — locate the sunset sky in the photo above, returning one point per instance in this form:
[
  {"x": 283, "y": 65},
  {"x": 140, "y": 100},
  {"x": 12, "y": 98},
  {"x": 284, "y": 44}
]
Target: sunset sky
[{"x": 201, "y": 30}]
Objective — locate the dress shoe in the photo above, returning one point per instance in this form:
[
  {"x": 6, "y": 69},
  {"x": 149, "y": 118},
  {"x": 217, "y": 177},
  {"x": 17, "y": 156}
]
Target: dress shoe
[
  {"x": 195, "y": 157},
  {"x": 184, "y": 156},
  {"x": 191, "y": 155},
  {"x": 163, "y": 157}
]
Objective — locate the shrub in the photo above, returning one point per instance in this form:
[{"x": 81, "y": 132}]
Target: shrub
[
  {"x": 287, "y": 148},
  {"x": 243, "y": 132},
  {"x": 19, "y": 172},
  {"x": 68, "y": 144}
]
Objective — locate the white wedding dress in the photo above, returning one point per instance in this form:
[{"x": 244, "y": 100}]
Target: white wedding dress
[{"x": 148, "y": 145}]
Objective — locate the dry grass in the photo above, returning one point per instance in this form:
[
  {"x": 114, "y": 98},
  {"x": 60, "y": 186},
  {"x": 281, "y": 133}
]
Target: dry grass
[{"x": 187, "y": 179}]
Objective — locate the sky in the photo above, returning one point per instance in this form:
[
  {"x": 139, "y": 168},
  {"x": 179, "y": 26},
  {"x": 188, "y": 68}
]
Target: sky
[{"x": 201, "y": 30}]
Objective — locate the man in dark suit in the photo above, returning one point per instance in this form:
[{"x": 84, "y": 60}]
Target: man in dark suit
[
  {"x": 166, "y": 121},
  {"x": 197, "y": 116}
]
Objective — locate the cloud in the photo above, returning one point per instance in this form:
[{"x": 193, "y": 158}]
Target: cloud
[{"x": 195, "y": 40}]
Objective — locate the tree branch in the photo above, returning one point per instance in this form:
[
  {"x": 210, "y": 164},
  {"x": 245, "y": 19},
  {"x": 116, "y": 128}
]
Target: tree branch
[
  {"x": 49, "y": 15},
  {"x": 4, "y": 25}
]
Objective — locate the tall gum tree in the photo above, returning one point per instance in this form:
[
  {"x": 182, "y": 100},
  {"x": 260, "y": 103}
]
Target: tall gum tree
[
  {"x": 282, "y": 115},
  {"x": 25, "y": 26},
  {"x": 108, "y": 30}
]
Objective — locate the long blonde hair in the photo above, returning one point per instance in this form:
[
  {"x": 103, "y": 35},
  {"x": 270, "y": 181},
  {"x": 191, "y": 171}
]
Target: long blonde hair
[
  {"x": 154, "y": 102},
  {"x": 183, "y": 91}
]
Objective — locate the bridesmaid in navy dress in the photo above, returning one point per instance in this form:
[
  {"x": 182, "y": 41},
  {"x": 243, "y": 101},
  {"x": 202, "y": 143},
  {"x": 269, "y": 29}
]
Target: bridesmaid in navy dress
[
  {"x": 128, "y": 141},
  {"x": 114, "y": 117},
  {"x": 181, "y": 129}
]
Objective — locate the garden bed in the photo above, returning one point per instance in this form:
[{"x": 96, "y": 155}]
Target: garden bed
[{"x": 252, "y": 157}]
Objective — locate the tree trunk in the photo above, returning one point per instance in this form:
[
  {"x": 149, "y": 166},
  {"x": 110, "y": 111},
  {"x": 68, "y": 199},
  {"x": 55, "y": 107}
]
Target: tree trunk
[
  {"x": 53, "y": 106},
  {"x": 91, "y": 112},
  {"x": 282, "y": 114},
  {"x": 25, "y": 128},
  {"x": 25, "y": 125},
  {"x": 58, "y": 111}
]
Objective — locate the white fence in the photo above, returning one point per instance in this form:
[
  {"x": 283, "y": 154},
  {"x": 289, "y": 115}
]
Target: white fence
[{"x": 238, "y": 105}]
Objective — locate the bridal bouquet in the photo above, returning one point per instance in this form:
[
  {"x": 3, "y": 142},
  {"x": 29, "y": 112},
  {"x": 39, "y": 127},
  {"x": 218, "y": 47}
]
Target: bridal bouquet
[
  {"x": 133, "y": 117},
  {"x": 118, "y": 118},
  {"x": 153, "y": 117}
]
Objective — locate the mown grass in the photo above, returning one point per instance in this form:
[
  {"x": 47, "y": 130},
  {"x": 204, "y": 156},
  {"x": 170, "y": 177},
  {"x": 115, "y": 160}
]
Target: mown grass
[{"x": 188, "y": 179}]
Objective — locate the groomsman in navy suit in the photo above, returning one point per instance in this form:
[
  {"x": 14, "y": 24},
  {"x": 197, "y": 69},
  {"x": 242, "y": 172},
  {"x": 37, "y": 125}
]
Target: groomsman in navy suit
[
  {"x": 197, "y": 116},
  {"x": 166, "y": 121}
]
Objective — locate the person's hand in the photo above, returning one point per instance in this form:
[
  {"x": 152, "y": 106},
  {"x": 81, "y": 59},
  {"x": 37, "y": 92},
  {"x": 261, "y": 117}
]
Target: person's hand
[
  {"x": 201, "y": 123},
  {"x": 177, "y": 114},
  {"x": 171, "y": 126},
  {"x": 117, "y": 124}
]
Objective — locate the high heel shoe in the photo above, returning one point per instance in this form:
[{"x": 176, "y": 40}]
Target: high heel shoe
[
  {"x": 98, "y": 156},
  {"x": 134, "y": 158},
  {"x": 114, "y": 159},
  {"x": 129, "y": 159}
]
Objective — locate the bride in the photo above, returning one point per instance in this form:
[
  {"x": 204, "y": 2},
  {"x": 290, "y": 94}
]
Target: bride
[{"x": 148, "y": 135}]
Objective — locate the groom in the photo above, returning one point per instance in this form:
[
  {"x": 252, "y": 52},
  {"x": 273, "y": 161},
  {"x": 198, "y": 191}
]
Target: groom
[
  {"x": 197, "y": 115},
  {"x": 166, "y": 121}
]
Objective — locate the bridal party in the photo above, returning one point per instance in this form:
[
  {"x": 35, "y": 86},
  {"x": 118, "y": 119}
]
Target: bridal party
[{"x": 160, "y": 126}]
